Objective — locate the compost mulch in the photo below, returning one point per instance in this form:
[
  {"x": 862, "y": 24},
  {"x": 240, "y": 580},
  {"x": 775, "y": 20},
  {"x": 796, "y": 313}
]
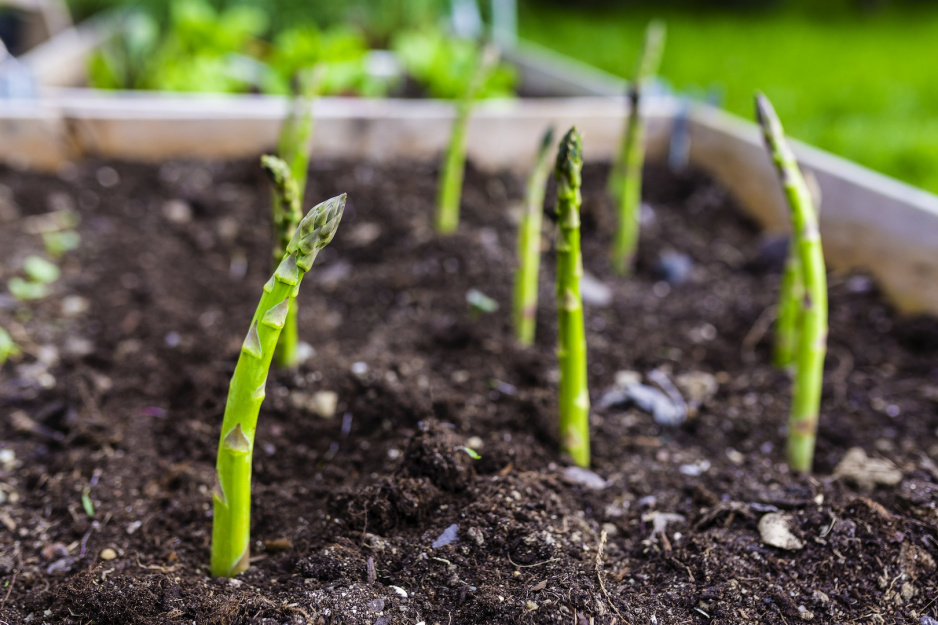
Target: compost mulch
[{"x": 113, "y": 415}]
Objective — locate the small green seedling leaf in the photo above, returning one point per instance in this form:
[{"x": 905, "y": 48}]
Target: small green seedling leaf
[
  {"x": 86, "y": 502},
  {"x": 41, "y": 270},
  {"x": 25, "y": 290},
  {"x": 58, "y": 243},
  {"x": 479, "y": 302},
  {"x": 472, "y": 453},
  {"x": 8, "y": 348}
]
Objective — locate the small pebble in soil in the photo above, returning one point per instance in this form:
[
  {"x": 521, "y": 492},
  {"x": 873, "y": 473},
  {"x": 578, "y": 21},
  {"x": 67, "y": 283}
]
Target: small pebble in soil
[
  {"x": 177, "y": 211},
  {"x": 108, "y": 177},
  {"x": 133, "y": 526},
  {"x": 927, "y": 620},
  {"x": 774, "y": 528},
  {"x": 74, "y": 305},
  {"x": 324, "y": 403},
  {"x": 108, "y": 554},
  {"x": 399, "y": 590},
  {"x": 584, "y": 477},
  {"x": 448, "y": 536},
  {"x": 594, "y": 292},
  {"x": 866, "y": 472},
  {"x": 673, "y": 267}
]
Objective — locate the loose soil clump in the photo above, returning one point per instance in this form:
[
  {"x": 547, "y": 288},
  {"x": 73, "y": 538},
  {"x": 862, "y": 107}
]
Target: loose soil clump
[{"x": 368, "y": 507}]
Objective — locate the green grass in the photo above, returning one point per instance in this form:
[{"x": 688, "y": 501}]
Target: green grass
[{"x": 863, "y": 87}]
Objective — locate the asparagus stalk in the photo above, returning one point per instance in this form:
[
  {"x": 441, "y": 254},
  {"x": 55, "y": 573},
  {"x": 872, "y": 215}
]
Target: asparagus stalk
[
  {"x": 811, "y": 344},
  {"x": 529, "y": 245},
  {"x": 232, "y": 492},
  {"x": 571, "y": 353},
  {"x": 293, "y": 148},
  {"x": 789, "y": 310},
  {"x": 451, "y": 176},
  {"x": 625, "y": 180},
  {"x": 286, "y": 217}
]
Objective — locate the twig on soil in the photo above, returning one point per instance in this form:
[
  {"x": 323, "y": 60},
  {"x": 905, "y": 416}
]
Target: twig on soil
[
  {"x": 759, "y": 328},
  {"x": 10, "y": 590},
  {"x": 599, "y": 575},
  {"x": 527, "y": 566}
]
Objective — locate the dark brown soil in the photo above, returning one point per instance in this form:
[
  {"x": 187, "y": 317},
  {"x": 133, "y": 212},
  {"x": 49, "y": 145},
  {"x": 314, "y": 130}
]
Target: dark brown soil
[{"x": 122, "y": 403}]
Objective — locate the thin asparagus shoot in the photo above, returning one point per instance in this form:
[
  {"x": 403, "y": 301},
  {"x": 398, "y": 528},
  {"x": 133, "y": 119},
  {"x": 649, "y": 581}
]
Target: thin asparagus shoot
[
  {"x": 297, "y": 129},
  {"x": 286, "y": 217},
  {"x": 571, "y": 351},
  {"x": 451, "y": 176},
  {"x": 625, "y": 180},
  {"x": 789, "y": 309},
  {"x": 529, "y": 245},
  {"x": 232, "y": 493},
  {"x": 811, "y": 343}
]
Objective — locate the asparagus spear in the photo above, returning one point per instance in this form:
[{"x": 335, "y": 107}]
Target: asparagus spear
[
  {"x": 529, "y": 245},
  {"x": 289, "y": 182},
  {"x": 625, "y": 180},
  {"x": 451, "y": 176},
  {"x": 574, "y": 394},
  {"x": 232, "y": 492},
  {"x": 789, "y": 309},
  {"x": 811, "y": 344},
  {"x": 286, "y": 217}
]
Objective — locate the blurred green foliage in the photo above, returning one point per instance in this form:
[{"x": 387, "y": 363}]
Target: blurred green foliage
[
  {"x": 444, "y": 66},
  {"x": 858, "y": 83},
  {"x": 201, "y": 48}
]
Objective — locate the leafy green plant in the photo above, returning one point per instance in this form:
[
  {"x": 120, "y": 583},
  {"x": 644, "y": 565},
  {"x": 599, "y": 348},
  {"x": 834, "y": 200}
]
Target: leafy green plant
[
  {"x": 529, "y": 245},
  {"x": 8, "y": 347},
  {"x": 202, "y": 49},
  {"x": 449, "y": 191},
  {"x": 232, "y": 493},
  {"x": 625, "y": 180},
  {"x": 571, "y": 352},
  {"x": 446, "y": 66},
  {"x": 811, "y": 331}
]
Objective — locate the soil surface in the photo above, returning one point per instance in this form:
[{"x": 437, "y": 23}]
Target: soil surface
[{"x": 109, "y": 422}]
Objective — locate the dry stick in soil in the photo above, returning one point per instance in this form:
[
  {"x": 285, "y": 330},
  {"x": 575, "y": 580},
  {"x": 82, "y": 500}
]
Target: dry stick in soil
[
  {"x": 811, "y": 344},
  {"x": 289, "y": 182},
  {"x": 232, "y": 493},
  {"x": 451, "y": 176},
  {"x": 571, "y": 352},
  {"x": 625, "y": 180},
  {"x": 529, "y": 245}
]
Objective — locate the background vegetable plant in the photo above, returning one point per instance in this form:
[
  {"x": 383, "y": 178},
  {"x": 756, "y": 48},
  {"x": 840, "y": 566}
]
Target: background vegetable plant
[
  {"x": 811, "y": 330},
  {"x": 529, "y": 245}
]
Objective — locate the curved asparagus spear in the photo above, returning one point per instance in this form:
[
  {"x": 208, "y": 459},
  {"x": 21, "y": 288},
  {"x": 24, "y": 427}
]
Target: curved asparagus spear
[
  {"x": 232, "y": 493},
  {"x": 529, "y": 245},
  {"x": 788, "y": 317},
  {"x": 625, "y": 180},
  {"x": 287, "y": 198},
  {"x": 571, "y": 352},
  {"x": 812, "y": 334},
  {"x": 451, "y": 176}
]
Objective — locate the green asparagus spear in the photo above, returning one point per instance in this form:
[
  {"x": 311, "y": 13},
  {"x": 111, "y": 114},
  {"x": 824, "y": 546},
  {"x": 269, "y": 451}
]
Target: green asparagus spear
[
  {"x": 789, "y": 310},
  {"x": 286, "y": 216},
  {"x": 529, "y": 245},
  {"x": 232, "y": 492},
  {"x": 571, "y": 352},
  {"x": 811, "y": 344},
  {"x": 625, "y": 180},
  {"x": 297, "y": 129},
  {"x": 451, "y": 176}
]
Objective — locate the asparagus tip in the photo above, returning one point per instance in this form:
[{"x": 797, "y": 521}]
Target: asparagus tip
[
  {"x": 316, "y": 230},
  {"x": 548, "y": 139},
  {"x": 569, "y": 156}
]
